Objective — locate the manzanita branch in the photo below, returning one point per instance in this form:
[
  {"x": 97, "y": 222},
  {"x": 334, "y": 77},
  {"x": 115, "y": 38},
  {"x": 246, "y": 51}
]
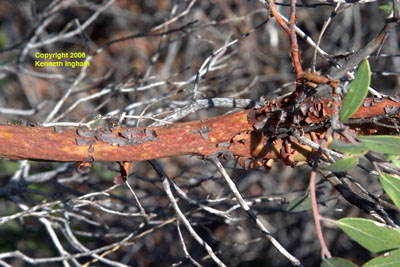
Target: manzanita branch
[
  {"x": 291, "y": 32},
  {"x": 293, "y": 40},
  {"x": 232, "y": 133}
]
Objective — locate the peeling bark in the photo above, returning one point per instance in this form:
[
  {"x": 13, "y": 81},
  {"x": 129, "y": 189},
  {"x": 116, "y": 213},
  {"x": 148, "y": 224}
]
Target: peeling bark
[{"x": 234, "y": 130}]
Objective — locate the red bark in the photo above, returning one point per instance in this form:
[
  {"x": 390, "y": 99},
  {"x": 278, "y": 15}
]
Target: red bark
[{"x": 231, "y": 132}]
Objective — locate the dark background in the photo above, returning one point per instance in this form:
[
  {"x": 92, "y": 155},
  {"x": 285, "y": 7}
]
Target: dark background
[{"x": 153, "y": 74}]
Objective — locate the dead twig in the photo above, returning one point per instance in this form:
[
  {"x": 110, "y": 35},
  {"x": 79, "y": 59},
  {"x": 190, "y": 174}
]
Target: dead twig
[
  {"x": 167, "y": 188},
  {"x": 251, "y": 214}
]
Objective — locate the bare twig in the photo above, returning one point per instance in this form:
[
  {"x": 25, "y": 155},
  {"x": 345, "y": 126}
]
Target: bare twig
[
  {"x": 365, "y": 52},
  {"x": 293, "y": 39},
  {"x": 187, "y": 254},
  {"x": 290, "y": 31},
  {"x": 324, "y": 249},
  {"x": 181, "y": 216},
  {"x": 251, "y": 214},
  {"x": 326, "y": 24},
  {"x": 142, "y": 210}
]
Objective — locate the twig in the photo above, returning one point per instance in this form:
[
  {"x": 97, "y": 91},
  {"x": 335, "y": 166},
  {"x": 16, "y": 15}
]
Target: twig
[
  {"x": 293, "y": 40},
  {"x": 210, "y": 61},
  {"x": 291, "y": 32},
  {"x": 210, "y": 210},
  {"x": 81, "y": 76},
  {"x": 70, "y": 34},
  {"x": 52, "y": 235},
  {"x": 251, "y": 214},
  {"x": 35, "y": 261},
  {"x": 172, "y": 20},
  {"x": 324, "y": 27},
  {"x": 187, "y": 254},
  {"x": 142, "y": 210},
  {"x": 355, "y": 59},
  {"x": 181, "y": 216},
  {"x": 324, "y": 249},
  {"x": 79, "y": 246}
]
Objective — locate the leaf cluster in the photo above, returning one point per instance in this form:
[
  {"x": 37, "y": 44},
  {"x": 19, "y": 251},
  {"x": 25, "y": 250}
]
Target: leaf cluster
[{"x": 377, "y": 237}]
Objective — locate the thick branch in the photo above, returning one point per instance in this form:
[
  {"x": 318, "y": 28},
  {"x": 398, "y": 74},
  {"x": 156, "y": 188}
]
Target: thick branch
[{"x": 230, "y": 133}]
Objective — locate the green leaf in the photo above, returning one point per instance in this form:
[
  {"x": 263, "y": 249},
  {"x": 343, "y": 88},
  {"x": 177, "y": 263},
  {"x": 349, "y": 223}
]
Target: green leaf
[
  {"x": 387, "y": 8},
  {"x": 388, "y": 259},
  {"x": 374, "y": 236},
  {"x": 357, "y": 92},
  {"x": 391, "y": 184},
  {"x": 94, "y": 125},
  {"x": 342, "y": 165},
  {"x": 355, "y": 149},
  {"x": 394, "y": 159},
  {"x": 396, "y": 163},
  {"x": 390, "y": 157},
  {"x": 301, "y": 203},
  {"x": 387, "y": 144},
  {"x": 337, "y": 262}
]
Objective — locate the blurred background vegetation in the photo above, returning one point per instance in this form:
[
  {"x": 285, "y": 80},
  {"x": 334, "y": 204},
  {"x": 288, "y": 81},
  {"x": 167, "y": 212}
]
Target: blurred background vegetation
[{"x": 144, "y": 58}]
